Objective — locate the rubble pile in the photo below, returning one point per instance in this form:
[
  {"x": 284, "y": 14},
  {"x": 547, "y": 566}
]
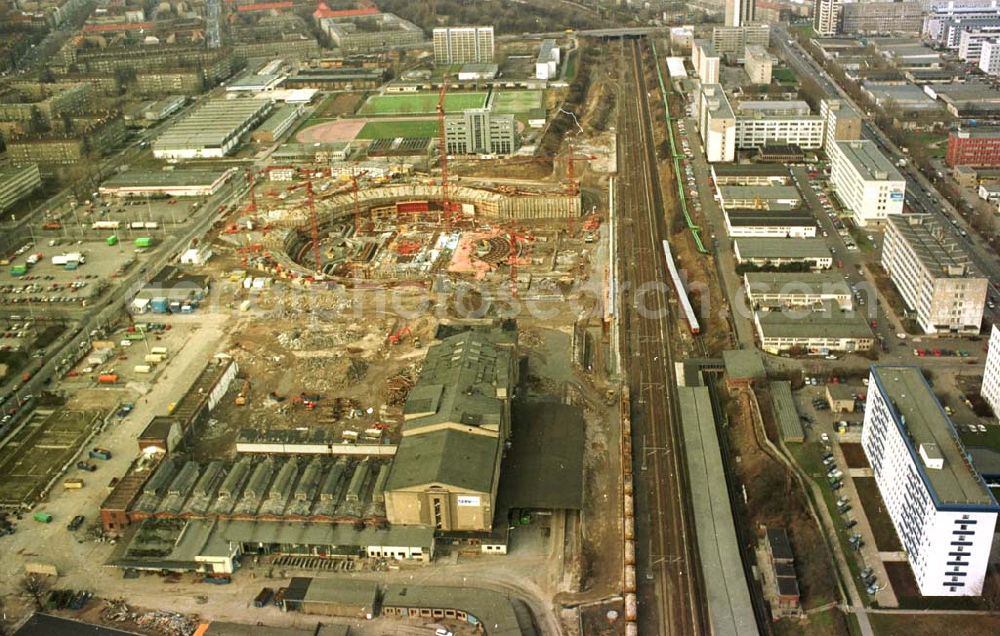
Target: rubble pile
[{"x": 156, "y": 621}]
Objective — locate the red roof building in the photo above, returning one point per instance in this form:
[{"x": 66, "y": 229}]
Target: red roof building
[
  {"x": 263, "y": 6},
  {"x": 323, "y": 11}
]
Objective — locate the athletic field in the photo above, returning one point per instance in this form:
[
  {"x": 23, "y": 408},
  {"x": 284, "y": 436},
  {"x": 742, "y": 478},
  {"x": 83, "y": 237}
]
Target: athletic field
[
  {"x": 420, "y": 103},
  {"x": 392, "y": 128},
  {"x": 517, "y": 102}
]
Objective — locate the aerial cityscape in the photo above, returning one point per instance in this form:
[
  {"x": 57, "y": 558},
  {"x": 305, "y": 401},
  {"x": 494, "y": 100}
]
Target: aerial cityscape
[{"x": 499, "y": 317}]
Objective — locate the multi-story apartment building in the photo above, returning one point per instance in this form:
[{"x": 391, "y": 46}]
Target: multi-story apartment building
[
  {"x": 991, "y": 374},
  {"x": 842, "y": 122},
  {"x": 978, "y": 146},
  {"x": 463, "y": 45},
  {"x": 989, "y": 58},
  {"x": 733, "y": 40},
  {"x": 940, "y": 507},
  {"x": 480, "y": 131},
  {"x": 367, "y": 30},
  {"x": 758, "y": 64},
  {"x": 970, "y": 43},
  {"x": 949, "y": 35},
  {"x": 826, "y": 17},
  {"x": 865, "y": 181},
  {"x": 89, "y": 138},
  {"x": 17, "y": 182},
  {"x": 705, "y": 61},
  {"x": 933, "y": 274},
  {"x": 716, "y": 124},
  {"x": 881, "y": 17},
  {"x": 756, "y": 130}
]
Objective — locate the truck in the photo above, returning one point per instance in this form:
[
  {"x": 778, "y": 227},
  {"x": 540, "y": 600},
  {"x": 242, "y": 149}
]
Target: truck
[
  {"x": 72, "y": 257},
  {"x": 73, "y": 483},
  {"x": 100, "y": 453},
  {"x": 43, "y": 517},
  {"x": 142, "y": 368},
  {"x": 105, "y": 225},
  {"x": 144, "y": 241},
  {"x": 264, "y": 597},
  {"x": 159, "y": 305},
  {"x": 153, "y": 358},
  {"x": 71, "y": 266},
  {"x": 33, "y": 258},
  {"x": 160, "y": 351},
  {"x": 107, "y": 378}
]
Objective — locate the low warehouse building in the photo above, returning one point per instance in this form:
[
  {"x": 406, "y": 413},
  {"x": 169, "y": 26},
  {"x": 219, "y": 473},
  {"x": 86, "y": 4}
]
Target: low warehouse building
[
  {"x": 811, "y": 253},
  {"x": 166, "y": 183},
  {"x": 212, "y": 130},
  {"x": 769, "y": 197},
  {"x": 17, "y": 182},
  {"x": 761, "y": 223},
  {"x": 797, "y": 289},
  {"x": 819, "y": 332},
  {"x": 491, "y": 610},
  {"x": 332, "y": 597}
]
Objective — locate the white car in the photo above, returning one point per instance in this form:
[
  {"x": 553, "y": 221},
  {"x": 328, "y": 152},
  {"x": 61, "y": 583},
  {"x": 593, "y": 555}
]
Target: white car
[{"x": 824, "y": 437}]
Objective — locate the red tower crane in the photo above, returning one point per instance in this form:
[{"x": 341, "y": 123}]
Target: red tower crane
[
  {"x": 357, "y": 203},
  {"x": 313, "y": 220},
  {"x": 252, "y": 206},
  {"x": 443, "y": 151},
  {"x": 515, "y": 236}
]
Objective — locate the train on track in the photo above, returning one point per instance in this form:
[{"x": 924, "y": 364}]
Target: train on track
[{"x": 682, "y": 295}]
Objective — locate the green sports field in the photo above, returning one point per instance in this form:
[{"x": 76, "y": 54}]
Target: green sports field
[
  {"x": 390, "y": 129},
  {"x": 420, "y": 103},
  {"x": 517, "y": 102}
]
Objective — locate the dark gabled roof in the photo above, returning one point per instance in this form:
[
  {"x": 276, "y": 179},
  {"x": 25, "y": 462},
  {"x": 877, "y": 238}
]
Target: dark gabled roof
[
  {"x": 780, "y": 546},
  {"x": 48, "y": 625},
  {"x": 448, "y": 457}
]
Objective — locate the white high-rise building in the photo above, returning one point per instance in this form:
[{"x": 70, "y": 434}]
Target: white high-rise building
[
  {"x": 989, "y": 58},
  {"x": 843, "y": 122},
  {"x": 740, "y": 12},
  {"x": 705, "y": 61},
  {"x": 826, "y": 17},
  {"x": 991, "y": 375},
  {"x": 463, "y": 45},
  {"x": 940, "y": 507},
  {"x": 933, "y": 274},
  {"x": 865, "y": 181},
  {"x": 716, "y": 124}
]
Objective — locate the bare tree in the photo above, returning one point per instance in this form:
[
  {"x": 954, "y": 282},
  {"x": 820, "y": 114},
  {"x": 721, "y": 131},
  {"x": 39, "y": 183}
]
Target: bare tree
[{"x": 34, "y": 587}]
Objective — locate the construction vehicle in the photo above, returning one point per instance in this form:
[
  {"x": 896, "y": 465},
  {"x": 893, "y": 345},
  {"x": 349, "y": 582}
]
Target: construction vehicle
[
  {"x": 308, "y": 400},
  {"x": 396, "y": 338},
  {"x": 244, "y": 394}
]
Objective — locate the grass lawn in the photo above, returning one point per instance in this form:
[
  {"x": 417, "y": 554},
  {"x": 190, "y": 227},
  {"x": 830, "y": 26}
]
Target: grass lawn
[
  {"x": 391, "y": 129},
  {"x": 571, "y": 65},
  {"x": 831, "y": 622},
  {"x": 420, "y": 103},
  {"x": 516, "y": 102},
  {"x": 784, "y": 75},
  {"x": 935, "y": 624}
]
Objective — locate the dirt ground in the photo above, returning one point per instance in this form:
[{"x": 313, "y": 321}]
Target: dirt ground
[
  {"x": 774, "y": 499},
  {"x": 885, "y": 534},
  {"x": 341, "y": 104},
  {"x": 854, "y": 455}
]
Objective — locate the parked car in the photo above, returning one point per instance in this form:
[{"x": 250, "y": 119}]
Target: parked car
[{"x": 75, "y": 523}]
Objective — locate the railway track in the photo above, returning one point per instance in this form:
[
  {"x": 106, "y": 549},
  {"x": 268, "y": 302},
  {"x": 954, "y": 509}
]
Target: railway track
[{"x": 670, "y": 592}]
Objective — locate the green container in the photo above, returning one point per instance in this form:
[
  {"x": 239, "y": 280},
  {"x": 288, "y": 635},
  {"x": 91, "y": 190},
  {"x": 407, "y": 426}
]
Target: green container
[
  {"x": 43, "y": 517},
  {"x": 143, "y": 242},
  {"x": 19, "y": 270},
  {"x": 136, "y": 336},
  {"x": 111, "y": 240}
]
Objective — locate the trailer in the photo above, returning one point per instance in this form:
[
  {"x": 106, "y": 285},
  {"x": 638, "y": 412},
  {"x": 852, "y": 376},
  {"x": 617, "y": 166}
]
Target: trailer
[
  {"x": 105, "y": 225},
  {"x": 73, "y": 483},
  {"x": 43, "y": 517}
]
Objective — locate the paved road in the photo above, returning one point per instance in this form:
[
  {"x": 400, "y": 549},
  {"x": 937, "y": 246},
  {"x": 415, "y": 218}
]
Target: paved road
[
  {"x": 670, "y": 595},
  {"x": 920, "y": 193}
]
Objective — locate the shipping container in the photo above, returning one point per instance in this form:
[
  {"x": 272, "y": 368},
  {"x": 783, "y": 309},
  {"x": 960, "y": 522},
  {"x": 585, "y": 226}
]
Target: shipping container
[
  {"x": 137, "y": 336},
  {"x": 105, "y": 225},
  {"x": 111, "y": 240},
  {"x": 43, "y": 517},
  {"x": 143, "y": 242},
  {"x": 107, "y": 378},
  {"x": 72, "y": 483},
  {"x": 153, "y": 358},
  {"x": 18, "y": 270},
  {"x": 71, "y": 266},
  {"x": 160, "y": 351},
  {"x": 142, "y": 368},
  {"x": 159, "y": 305}
]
